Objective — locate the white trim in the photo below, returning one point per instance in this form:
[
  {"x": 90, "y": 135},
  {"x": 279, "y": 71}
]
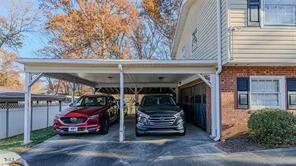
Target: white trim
[
  {"x": 205, "y": 80},
  {"x": 34, "y": 80},
  {"x": 262, "y": 62},
  {"x": 111, "y": 66},
  {"x": 282, "y": 91},
  {"x": 262, "y": 14},
  {"x": 108, "y": 62}
]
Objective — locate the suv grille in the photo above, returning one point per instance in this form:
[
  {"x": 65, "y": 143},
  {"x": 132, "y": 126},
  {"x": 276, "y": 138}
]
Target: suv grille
[
  {"x": 162, "y": 120},
  {"x": 73, "y": 120}
]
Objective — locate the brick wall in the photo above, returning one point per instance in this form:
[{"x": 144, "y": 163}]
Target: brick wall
[{"x": 234, "y": 120}]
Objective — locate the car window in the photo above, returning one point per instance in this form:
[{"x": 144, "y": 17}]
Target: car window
[
  {"x": 92, "y": 101},
  {"x": 157, "y": 100}
]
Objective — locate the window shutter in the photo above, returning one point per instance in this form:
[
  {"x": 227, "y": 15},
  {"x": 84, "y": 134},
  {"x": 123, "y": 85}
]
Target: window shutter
[
  {"x": 254, "y": 12},
  {"x": 243, "y": 88},
  {"x": 243, "y": 84},
  {"x": 291, "y": 86}
]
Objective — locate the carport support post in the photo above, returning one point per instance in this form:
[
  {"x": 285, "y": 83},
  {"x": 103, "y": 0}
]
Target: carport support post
[
  {"x": 73, "y": 91},
  {"x": 213, "y": 106},
  {"x": 27, "y": 111},
  {"x": 121, "y": 125},
  {"x": 177, "y": 95},
  {"x": 136, "y": 95}
]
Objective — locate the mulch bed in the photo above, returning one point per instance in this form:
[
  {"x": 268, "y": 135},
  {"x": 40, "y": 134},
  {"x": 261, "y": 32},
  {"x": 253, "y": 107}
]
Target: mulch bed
[{"x": 241, "y": 143}]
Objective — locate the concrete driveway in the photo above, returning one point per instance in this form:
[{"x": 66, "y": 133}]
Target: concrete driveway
[{"x": 193, "y": 149}]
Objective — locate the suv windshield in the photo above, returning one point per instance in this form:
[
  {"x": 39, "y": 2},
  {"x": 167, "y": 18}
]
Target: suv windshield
[
  {"x": 91, "y": 101},
  {"x": 158, "y": 100}
]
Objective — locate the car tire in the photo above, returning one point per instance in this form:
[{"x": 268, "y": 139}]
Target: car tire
[
  {"x": 105, "y": 126},
  {"x": 138, "y": 134},
  {"x": 184, "y": 133}
]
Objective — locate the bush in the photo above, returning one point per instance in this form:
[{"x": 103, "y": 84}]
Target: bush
[{"x": 273, "y": 127}]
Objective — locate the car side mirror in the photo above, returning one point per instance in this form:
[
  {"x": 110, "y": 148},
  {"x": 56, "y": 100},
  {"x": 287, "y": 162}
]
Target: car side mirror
[{"x": 137, "y": 104}]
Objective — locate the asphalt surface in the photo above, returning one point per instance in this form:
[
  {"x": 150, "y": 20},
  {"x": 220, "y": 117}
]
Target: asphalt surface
[{"x": 196, "y": 148}]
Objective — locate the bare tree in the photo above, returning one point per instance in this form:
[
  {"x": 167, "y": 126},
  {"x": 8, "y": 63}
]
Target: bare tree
[
  {"x": 19, "y": 19},
  {"x": 163, "y": 15}
]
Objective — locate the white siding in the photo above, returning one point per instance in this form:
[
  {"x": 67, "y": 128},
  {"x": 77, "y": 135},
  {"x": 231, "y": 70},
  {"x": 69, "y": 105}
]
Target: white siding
[
  {"x": 202, "y": 15},
  {"x": 225, "y": 31},
  {"x": 256, "y": 42},
  {"x": 207, "y": 31}
]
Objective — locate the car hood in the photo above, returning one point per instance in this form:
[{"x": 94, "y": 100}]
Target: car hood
[
  {"x": 163, "y": 110},
  {"x": 82, "y": 111},
  {"x": 4, "y": 155}
]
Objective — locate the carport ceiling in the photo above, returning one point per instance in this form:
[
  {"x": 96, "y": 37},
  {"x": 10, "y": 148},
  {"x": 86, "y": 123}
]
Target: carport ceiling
[
  {"x": 105, "y": 73},
  {"x": 140, "y": 78}
]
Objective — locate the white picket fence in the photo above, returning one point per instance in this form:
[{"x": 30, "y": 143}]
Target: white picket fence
[{"x": 12, "y": 119}]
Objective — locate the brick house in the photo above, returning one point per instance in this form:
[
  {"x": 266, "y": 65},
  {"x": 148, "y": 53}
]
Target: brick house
[
  {"x": 254, "y": 43},
  {"x": 230, "y": 58}
]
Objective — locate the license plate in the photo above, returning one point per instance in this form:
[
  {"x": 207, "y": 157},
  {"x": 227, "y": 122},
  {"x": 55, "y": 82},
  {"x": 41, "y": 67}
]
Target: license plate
[{"x": 72, "y": 129}]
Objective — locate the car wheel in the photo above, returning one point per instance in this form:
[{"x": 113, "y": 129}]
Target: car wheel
[{"x": 105, "y": 126}]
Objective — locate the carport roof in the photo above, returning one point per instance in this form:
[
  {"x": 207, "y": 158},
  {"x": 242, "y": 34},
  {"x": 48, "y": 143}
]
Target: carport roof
[
  {"x": 133, "y": 66},
  {"x": 101, "y": 73}
]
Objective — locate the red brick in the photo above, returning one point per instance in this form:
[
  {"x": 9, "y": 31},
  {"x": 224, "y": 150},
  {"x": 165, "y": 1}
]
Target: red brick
[{"x": 234, "y": 120}]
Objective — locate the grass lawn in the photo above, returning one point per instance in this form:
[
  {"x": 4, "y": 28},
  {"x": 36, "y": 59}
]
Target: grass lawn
[{"x": 15, "y": 143}]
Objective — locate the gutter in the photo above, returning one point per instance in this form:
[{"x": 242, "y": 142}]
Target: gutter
[{"x": 219, "y": 70}]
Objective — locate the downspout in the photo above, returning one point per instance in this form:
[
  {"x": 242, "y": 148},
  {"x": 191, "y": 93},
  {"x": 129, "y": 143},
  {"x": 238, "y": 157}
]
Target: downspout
[{"x": 219, "y": 70}]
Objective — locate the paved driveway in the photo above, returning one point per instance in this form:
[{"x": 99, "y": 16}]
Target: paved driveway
[{"x": 193, "y": 149}]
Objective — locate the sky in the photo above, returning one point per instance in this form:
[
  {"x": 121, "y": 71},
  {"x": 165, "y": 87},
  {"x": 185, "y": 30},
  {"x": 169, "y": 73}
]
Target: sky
[{"x": 32, "y": 41}]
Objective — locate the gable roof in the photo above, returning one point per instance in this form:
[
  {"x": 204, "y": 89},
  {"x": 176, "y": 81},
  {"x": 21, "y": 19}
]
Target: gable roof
[{"x": 185, "y": 8}]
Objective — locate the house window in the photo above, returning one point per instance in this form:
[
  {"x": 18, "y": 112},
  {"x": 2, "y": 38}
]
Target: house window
[
  {"x": 243, "y": 93},
  {"x": 183, "y": 51},
  {"x": 253, "y": 12},
  {"x": 267, "y": 92},
  {"x": 291, "y": 83},
  {"x": 194, "y": 40},
  {"x": 280, "y": 12}
]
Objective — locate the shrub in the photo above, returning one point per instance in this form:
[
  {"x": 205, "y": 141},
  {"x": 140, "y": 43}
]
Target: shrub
[{"x": 273, "y": 127}]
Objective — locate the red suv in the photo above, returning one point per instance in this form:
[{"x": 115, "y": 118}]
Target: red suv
[{"x": 90, "y": 114}]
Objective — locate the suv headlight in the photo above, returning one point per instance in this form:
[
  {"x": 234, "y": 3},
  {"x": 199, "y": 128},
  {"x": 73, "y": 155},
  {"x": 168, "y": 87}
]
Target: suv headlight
[
  {"x": 57, "y": 116},
  {"x": 143, "y": 118},
  {"x": 93, "y": 117},
  {"x": 143, "y": 115},
  {"x": 179, "y": 114}
]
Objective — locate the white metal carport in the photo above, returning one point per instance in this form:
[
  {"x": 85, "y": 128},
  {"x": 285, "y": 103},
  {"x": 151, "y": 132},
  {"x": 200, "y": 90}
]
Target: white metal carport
[{"x": 123, "y": 74}]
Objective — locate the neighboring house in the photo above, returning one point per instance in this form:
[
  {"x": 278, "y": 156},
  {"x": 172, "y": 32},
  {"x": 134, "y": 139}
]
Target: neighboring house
[{"x": 258, "y": 54}]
